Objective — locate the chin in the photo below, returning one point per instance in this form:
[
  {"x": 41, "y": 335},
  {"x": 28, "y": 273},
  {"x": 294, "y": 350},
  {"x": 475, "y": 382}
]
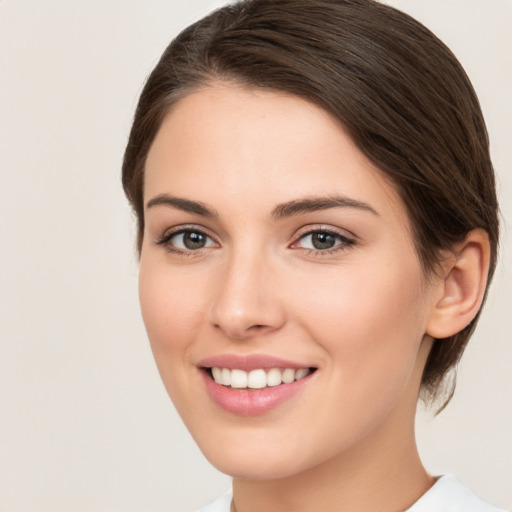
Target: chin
[
  {"x": 258, "y": 455},
  {"x": 257, "y": 468}
]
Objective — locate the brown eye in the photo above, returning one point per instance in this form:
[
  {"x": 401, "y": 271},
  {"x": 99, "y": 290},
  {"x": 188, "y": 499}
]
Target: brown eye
[
  {"x": 323, "y": 241},
  {"x": 186, "y": 240},
  {"x": 320, "y": 240},
  {"x": 193, "y": 240}
]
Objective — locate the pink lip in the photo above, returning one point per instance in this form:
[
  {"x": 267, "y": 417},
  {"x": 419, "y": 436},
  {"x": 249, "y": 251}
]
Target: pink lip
[
  {"x": 249, "y": 362},
  {"x": 252, "y": 402}
]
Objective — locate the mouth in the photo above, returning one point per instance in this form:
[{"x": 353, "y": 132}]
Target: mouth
[
  {"x": 256, "y": 379},
  {"x": 254, "y": 384}
]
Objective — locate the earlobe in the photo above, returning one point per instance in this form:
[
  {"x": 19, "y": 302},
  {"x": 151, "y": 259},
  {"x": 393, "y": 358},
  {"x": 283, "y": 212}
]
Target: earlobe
[{"x": 462, "y": 287}]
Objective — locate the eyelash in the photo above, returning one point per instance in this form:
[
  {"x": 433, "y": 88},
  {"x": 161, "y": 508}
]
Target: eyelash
[{"x": 344, "y": 241}]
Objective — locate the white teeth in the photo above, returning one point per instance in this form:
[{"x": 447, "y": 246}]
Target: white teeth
[
  {"x": 300, "y": 374},
  {"x": 288, "y": 375},
  {"x": 226, "y": 377},
  {"x": 238, "y": 379},
  {"x": 257, "y": 379},
  {"x": 217, "y": 375},
  {"x": 274, "y": 377}
]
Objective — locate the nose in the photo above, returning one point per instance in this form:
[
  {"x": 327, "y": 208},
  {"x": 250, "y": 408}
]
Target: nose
[{"x": 246, "y": 303}]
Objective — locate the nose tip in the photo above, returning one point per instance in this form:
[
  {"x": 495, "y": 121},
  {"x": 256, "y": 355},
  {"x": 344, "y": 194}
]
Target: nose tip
[
  {"x": 241, "y": 317},
  {"x": 246, "y": 305},
  {"x": 240, "y": 326}
]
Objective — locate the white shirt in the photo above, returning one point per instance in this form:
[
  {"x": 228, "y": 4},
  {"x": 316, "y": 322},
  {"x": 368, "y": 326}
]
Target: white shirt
[{"x": 446, "y": 495}]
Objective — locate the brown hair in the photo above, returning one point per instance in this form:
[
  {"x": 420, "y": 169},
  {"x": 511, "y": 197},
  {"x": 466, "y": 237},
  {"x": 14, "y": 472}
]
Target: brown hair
[{"x": 400, "y": 92}]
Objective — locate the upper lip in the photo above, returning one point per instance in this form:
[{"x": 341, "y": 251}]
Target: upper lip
[{"x": 249, "y": 362}]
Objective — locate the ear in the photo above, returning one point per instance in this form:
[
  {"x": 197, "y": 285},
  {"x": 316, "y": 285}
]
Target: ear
[{"x": 462, "y": 286}]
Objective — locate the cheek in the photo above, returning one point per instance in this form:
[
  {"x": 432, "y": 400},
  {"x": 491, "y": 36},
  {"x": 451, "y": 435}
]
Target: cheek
[
  {"x": 172, "y": 305},
  {"x": 370, "y": 328},
  {"x": 371, "y": 323},
  {"x": 171, "y": 308}
]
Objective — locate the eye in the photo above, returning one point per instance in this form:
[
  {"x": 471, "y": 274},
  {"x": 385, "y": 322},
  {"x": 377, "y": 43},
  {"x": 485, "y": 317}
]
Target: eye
[
  {"x": 319, "y": 240},
  {"x": 186, "y": 240},
  {"x": 324, "y": 241}
]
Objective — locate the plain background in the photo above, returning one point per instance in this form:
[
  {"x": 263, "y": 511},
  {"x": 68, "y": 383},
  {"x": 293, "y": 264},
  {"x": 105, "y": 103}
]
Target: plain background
[{"x": 85, "y": 424}]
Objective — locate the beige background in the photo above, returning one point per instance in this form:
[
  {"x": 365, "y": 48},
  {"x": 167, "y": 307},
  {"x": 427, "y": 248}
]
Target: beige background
[{"x": 85, "y": 424}]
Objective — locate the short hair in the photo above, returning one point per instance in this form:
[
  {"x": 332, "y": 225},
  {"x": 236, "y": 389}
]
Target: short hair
[{"x": 401, "y": 94}]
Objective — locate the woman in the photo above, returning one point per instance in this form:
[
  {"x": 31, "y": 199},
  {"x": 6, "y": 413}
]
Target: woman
[{"x": 317, "y": 229}]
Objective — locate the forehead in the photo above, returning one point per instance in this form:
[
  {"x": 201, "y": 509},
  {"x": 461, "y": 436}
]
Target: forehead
[{"x": 261, "y": 145}]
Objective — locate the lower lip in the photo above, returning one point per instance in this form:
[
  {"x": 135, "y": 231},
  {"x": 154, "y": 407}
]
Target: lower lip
[{"x": 252, "y": 402}]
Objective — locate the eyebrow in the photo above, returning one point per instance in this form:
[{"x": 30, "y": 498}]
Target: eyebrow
[
  {"x": 281, "y": 211},
  {"x": 185, "y": 205},
  {"x": 313, "y": 204}
]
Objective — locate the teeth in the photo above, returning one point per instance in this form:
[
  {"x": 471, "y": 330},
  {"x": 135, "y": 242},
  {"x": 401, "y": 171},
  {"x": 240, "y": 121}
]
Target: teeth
[
  {"x": 288, "y": 375},
  {"x": 300, "y": 374},
  {"x": 217, "y": 375},
  {"x": 274, "y": 377},
  {"x": 257, "y": 379},
  {"x": 225, "y": 377},
  {"x": 238, "y": 379}
]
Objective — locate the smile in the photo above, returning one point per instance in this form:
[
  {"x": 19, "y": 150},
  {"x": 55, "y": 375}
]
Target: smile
[
  {"x": 250, "y": 385},
  {"x": 257, "y": 378}
]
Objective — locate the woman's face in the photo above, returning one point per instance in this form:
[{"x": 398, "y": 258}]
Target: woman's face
[{"x": 275, "y": 250}]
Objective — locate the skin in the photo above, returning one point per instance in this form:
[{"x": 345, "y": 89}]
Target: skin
[{"x": 361, "y": 313}]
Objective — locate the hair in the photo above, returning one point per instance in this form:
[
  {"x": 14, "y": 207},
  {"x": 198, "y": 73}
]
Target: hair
[{"x": 401, "y": 94}]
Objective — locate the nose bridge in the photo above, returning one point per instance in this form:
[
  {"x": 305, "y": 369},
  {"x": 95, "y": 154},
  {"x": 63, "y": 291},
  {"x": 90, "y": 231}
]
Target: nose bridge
[{"x": 245, "y": 305}]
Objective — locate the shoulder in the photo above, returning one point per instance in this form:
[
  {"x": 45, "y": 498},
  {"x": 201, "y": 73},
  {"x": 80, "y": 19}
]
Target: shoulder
[
  {"x": 221, "y": 504},
  {"x": 449, "y": 495}
]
